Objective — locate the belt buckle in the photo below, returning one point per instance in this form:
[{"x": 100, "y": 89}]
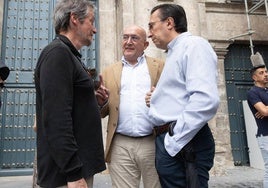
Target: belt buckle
[{"x": 171, "y": 127}]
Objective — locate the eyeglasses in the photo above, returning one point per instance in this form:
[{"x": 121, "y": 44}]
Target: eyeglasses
[
  {"x": 133, "y": 38},
  {"x": 151, "y": 24}
]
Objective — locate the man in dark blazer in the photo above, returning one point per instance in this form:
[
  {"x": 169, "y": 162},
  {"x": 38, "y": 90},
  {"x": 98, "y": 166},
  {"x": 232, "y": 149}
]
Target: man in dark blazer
[
  {"x": 69, "y": 134},
  {"x": 130, "y": 146}
]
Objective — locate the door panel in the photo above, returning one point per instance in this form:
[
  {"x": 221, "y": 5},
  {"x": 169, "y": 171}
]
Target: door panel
[{"x": 27, "y": 29}]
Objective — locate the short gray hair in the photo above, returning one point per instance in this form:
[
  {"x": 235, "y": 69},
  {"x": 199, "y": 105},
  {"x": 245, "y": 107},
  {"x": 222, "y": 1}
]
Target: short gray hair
[{"x": 63, "y": 10}]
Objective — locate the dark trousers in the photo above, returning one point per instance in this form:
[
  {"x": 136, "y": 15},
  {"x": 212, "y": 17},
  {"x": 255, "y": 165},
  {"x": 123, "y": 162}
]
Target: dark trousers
[{"x": 171, "y": 170}]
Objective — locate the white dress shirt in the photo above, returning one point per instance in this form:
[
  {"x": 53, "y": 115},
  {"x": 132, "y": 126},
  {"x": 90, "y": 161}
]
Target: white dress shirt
[
  {"x": 133, "y": 112},
  {"x": 186, "y": 91}
]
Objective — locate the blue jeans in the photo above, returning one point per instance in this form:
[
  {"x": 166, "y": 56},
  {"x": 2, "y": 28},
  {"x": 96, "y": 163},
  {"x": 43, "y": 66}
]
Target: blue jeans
[
  {"x": 171, "y": 170},
  {"x": 263, "y": 144}
]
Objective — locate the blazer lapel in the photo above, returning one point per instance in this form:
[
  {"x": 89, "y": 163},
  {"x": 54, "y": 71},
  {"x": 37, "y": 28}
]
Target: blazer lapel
[
  {"x": 117, "y": 71},
  {"x": 153, "y": 68}
]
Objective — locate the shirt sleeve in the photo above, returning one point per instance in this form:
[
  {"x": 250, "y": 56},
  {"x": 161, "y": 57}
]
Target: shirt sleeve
[
  {"x": 253, "y": 97},
  {"x": 199, "y": 75}
]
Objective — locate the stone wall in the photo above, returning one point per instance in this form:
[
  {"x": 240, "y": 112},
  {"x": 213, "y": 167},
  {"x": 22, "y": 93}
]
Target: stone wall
[{"x": 215, "y": 20}]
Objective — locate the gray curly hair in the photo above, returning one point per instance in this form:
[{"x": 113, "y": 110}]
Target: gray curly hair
[{"x": 63, "y": 10}]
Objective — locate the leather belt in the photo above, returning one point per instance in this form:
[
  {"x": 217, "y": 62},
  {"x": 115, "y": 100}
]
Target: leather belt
[
  {"x": 134, "y": 136},
  {"x": 161, "y": 129}
]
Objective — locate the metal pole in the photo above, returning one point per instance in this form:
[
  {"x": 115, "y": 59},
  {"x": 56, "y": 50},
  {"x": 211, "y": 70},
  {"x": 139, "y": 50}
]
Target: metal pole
[
  {"x": 256, "y": 6},
  {"x": 266, "y": 7},
  {"x": 249, "y": 28}
]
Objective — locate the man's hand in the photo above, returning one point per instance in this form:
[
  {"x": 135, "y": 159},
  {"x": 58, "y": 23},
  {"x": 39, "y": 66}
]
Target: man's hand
[
  {"x": 259, "y": 116},
  {"x": 148, "y": 97},
  {"x": 78, "y": 184},
  {"x": 102, "y": 93}
]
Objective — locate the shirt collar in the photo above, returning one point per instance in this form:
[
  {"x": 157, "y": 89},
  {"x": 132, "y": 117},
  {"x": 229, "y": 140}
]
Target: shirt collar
[
  {"x": 177, "y": 39},
  {"x": 263, "y": 88},
  {"x": 139, "y": 59},
  {"x": 66, "y": 41}
]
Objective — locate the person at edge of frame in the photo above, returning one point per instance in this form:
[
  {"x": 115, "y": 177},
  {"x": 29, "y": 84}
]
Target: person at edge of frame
[
  {"x": 4, "y": 73},
  {"x": 257, "y": 98}
]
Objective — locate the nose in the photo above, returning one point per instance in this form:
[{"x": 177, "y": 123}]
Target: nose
[
  {"x": 149, "y": 34},
  {"x": 94, "y": 29},
  {"x": 129, "y": 40}
]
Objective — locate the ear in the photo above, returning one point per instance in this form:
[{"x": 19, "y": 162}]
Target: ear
[
  {"x": 254, "y": 77},
  {"x": 170, "y": 23},
  {"x": 73, "y": 18},
  {"x": 146, "y": 44}
]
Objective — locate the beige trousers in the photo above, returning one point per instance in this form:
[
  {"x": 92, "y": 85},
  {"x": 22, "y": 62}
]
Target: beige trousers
[{"x": 133, "y": 159}]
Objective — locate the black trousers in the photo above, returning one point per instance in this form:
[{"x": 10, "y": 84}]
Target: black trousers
[{"x": 171, "y": 170}]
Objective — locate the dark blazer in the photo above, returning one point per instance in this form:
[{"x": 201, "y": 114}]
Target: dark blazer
[
  {"x": 112, "y": 80},
  {"x": 69, "y": 133}
]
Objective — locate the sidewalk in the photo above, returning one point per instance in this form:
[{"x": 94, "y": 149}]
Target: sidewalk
[{"x": 238, "y": 177}]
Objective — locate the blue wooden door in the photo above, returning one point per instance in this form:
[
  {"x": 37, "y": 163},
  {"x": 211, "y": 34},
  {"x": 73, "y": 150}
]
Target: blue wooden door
[
  {"x": 238, "y": 81},
  {"x": 27, "y": 28}
]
